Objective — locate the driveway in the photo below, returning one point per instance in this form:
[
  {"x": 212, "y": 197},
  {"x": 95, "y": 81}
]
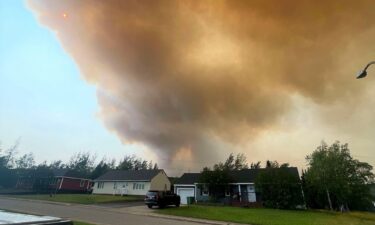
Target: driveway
[{"x": 97, "y": 214}]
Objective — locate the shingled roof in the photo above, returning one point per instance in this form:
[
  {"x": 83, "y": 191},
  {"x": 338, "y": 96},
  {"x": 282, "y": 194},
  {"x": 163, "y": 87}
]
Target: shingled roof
[
  {"x": 188, "y": 178},
  {"x": 129, "y": 175},
  {"x": 239, "y": 176}
]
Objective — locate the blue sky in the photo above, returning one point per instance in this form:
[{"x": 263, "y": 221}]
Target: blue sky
[{"x": 43, "y": 100}]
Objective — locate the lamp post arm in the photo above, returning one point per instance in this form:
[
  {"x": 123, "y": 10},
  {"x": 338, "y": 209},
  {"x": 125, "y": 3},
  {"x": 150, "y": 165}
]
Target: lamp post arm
[{"x": 369, "y": 64}]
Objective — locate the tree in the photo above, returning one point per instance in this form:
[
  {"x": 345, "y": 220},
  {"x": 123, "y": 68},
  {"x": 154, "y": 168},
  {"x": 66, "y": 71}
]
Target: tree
[
  {"x": 41, "y": 176},
  {"x": 8, "y": 178},
  {"x": 279, "y": 187},
  {"x": 255, "y": 165},
  {"x": 232, "y": 163},
  {"x": 133, "y": 163},
  {"x": 139, "y": 164},
  {"x": 25, "y": 162},
  {"x": 272, "y": 164},
  {"x": 144, "y": 165},
  {"x": 343, "y": 181},
  {"x": 102, "y": 167},
  {"x": 150, "y": 166},
  {"x": 58, "y": 164},
  {"x": 127, "y": 163},
  {"x": 240, "y": 162},
  {"x": 7, "y": 158},
  {"x": 82, "y": 163},
  {"x": 156, "y": 166}
]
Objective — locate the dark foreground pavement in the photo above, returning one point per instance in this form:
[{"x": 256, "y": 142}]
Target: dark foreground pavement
[{"x": 90, "y": 214}]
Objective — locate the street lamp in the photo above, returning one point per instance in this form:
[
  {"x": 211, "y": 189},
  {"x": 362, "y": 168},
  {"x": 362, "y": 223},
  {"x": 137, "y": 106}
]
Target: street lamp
[{"x": 363, "y": 73}]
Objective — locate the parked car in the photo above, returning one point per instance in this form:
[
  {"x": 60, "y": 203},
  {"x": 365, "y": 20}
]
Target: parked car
[{"x": 161, "y": 199}]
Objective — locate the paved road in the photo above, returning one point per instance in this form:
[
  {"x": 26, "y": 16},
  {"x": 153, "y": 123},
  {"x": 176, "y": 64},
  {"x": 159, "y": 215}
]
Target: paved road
[
  {"x": 122, "y": 204},
  {"x": 92, "y": 214}
]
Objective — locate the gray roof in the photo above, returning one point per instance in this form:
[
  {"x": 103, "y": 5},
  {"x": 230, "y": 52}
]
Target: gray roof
[
  {"x": 188, "y": 178},
  {"x": 239, "y": 176},
  {"x": 130, "y": 175}
]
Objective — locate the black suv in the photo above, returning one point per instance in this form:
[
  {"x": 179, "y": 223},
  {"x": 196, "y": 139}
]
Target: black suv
[{"x": 161, "y": 199}]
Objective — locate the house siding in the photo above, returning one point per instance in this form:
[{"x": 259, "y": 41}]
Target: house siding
[
  {"x": 197, "y": 191},
  {"x": 160, "y": 182},
  {"x": 71, "y": 184},
  {"x": 128, "y": 186},
  {"x": 198, "y": 196}
]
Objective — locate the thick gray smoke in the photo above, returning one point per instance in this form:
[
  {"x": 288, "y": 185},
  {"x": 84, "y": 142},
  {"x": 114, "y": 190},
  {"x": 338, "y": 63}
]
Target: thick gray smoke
[{"x": 187, "y": 77}]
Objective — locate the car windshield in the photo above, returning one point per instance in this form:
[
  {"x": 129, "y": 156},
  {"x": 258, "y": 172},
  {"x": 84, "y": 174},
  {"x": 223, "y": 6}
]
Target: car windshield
[{"x": 152, "y": 193}]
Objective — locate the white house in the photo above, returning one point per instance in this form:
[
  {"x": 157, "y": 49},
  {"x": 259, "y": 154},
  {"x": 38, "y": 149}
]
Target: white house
[{"x": 131, "y": 182}]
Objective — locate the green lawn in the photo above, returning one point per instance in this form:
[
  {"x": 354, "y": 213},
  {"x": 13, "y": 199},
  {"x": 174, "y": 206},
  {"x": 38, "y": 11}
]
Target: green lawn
[
  {"x": 261, "y": 216},
  {"x": 80, "y": 198},
  {"x": 82, "y": 223}
]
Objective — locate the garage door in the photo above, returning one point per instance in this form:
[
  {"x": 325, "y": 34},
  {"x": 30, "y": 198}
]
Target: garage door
[{"x": 184, "y": 193}]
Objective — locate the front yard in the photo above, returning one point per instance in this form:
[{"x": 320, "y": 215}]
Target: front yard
[
  {"x": 261, "y": 216},
  {"x": 79, "y": 198}
]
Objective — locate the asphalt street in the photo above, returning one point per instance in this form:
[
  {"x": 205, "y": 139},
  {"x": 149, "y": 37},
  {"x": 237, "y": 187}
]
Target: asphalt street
[{"x": 92, "y": 214}]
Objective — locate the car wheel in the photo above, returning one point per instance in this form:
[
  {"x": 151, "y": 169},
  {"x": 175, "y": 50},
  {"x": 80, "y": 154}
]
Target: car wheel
[
  {"x": 149, "y": 206},
  {"x": 178, "y": 205}
]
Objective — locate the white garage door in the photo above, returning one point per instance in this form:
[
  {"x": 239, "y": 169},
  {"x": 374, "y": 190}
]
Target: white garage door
[{"x": 184, "y": 193}]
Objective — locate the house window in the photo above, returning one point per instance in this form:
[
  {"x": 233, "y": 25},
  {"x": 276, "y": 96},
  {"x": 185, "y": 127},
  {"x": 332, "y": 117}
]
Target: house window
[
  {"x": 138, "y": 186},
  {"x": 100, "y": 185},
  {"x": 115, "y": 185},
  {"x": 204, "y": 190},
  {"x": 82, "y": 183},
  {"x": 251, "y": 188},
  {"x": 227, "y": 192}
]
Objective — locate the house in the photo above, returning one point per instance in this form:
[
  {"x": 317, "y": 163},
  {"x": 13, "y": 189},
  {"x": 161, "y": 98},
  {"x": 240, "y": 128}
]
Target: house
[
  {"x": 65, "y": 180},
  {"x": 131, "y": 182},
  {"x": 242, "y": 190}
]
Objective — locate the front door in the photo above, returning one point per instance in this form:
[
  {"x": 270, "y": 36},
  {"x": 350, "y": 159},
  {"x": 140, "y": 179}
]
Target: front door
[{"x": 251, "y": 193}]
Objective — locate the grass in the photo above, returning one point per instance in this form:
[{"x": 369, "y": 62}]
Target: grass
[
  {"x": 79, "y": 198},
  {"x": 261, "y": 216}
]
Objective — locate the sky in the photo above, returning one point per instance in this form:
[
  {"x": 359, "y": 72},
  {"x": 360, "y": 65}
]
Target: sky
[
  {"x": 185, "y": 83},
  {"x": 44, "y": 102}
]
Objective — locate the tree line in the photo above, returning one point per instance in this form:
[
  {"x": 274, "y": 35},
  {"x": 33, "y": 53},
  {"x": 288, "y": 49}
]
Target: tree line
[{"x": 14, "y": 166}]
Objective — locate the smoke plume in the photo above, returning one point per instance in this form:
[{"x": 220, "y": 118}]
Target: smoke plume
[{"x": 193, "y": 79}]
